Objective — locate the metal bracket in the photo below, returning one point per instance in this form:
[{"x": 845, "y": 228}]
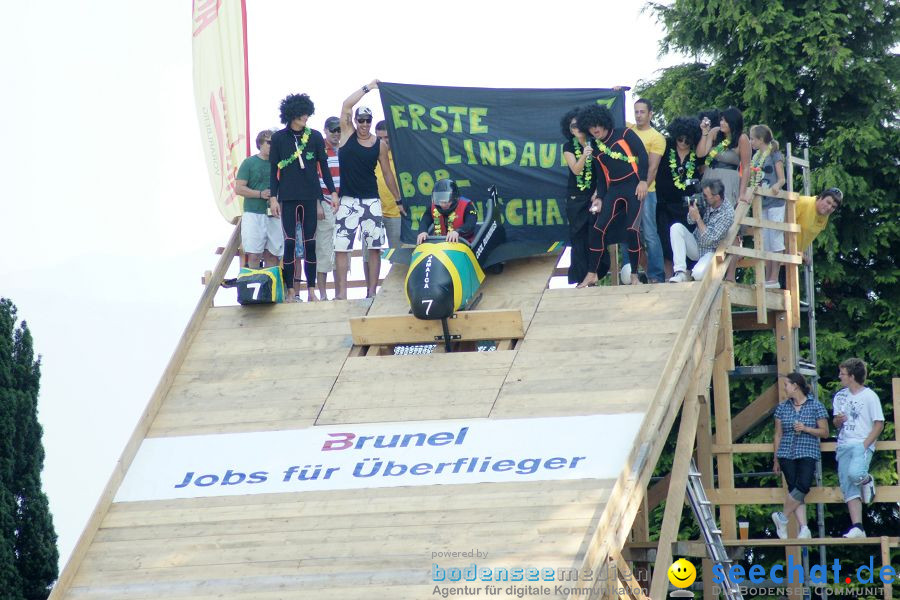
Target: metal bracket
[{"x": 453, "y": 337}]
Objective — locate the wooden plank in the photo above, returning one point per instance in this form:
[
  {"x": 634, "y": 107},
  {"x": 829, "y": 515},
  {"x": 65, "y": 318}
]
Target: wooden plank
[
  {"x": 754, "y": 413},
  {"x": 745, "y": 321},
  {"x": 468, "y": 325},
  {"x": 751, "y": 222},
  {"x": 767, "y": 448},
  {"x": 885, "y": 561},
  {"x": 895, "y": 384},
  {"x": 828, "y": 495},
  {"x": 742, "y": 295},
  {"x": 722, "y": 395},
  {"x": 790, "y": 259},
  {"x": 671, "y": 522}
]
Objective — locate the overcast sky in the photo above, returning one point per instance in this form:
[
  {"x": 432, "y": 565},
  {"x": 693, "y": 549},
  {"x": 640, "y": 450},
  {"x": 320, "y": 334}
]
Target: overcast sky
[{"x": 108, "y": 221}]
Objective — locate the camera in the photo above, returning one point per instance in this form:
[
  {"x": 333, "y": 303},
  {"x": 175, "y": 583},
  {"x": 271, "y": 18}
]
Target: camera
[{"x": 693, "y": 195}]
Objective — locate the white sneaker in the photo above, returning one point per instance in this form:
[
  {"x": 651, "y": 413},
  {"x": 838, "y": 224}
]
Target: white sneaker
[
  {"x": 855, "y": 532},
  {"x": 679, "y": 277},
  {"x": 804, "y": 533},
  {"x": 868, "y": 490},
  {"x": 781, "y": 523},
  {"x": 625, "y": 274}
]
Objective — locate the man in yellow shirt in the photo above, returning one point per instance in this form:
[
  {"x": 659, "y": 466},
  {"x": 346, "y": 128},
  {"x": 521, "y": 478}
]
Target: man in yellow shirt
[
  {"x": 813, "y": 213},
  {"x": 655, "y": 145}
]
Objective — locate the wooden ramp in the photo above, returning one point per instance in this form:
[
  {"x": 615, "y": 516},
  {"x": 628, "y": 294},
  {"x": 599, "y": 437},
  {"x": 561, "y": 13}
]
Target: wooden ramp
[{"x": 599, "y": 351}]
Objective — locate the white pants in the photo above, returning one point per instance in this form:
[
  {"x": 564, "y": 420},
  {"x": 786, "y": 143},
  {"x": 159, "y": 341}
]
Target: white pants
[{"x": 684, "y": 246}]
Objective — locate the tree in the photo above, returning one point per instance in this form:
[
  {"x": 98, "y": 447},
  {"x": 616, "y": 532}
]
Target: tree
[
  {"x": 822, "y": 73},
  {"x": 28, "y": 554}
]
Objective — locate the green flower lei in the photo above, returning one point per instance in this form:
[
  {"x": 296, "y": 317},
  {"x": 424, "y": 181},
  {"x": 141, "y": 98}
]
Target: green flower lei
[
  {"x": 688, "y": 169},
  {"x": 437, "y": 222},
  {"x": 298, "y": 152},
  {"x": 718, "y": 148},
  {"x": 613, "y": 154},
  {"x": 583, "y": 181}
]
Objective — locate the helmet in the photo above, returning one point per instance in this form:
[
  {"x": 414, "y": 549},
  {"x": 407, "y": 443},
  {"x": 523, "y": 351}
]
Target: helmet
[{"x": 445, "y": 190}]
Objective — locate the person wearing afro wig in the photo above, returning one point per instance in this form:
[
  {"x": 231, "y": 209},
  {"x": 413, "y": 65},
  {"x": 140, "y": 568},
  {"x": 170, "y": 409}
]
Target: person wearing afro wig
[{"x": 297, "y": 151}]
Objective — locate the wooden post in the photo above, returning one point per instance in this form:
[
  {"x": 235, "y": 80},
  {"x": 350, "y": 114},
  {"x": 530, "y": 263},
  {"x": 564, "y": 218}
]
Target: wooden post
[
  {"x": 724, "y": 463},
  {"x": 886, "y": 560},
  {"x": 668, "y": 532},
  {"x": 784, "y": 348},
  {"x": 759, "y": 265}
]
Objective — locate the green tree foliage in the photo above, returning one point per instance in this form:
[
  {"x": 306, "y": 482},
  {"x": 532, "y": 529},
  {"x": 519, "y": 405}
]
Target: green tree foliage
[
  {"x": 822, "y": 74},
  {"x": 28, "y": 554}
]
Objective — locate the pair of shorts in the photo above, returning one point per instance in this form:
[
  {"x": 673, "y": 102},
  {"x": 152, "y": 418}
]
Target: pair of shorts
[
  {"x": 261, "y": 232},
  {"x": 362, "y": 213},
  {"x": 325, "y": 239},
  {"x": 798, "y": 474},
  {"x": 773, "y": 240},
  {"x": 853, "y": 468},
  {"x": 392, "y": 229}
]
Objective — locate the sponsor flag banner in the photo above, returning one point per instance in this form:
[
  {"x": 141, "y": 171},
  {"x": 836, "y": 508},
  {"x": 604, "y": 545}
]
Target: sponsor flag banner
[
  {"x": 221, "y": 95},
  {"x": 378, "y": 455},
  {"x": 479, "y": 137}
]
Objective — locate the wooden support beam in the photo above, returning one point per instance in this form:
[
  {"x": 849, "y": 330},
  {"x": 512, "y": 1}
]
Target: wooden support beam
[
  {"x": 725, "y": 465},
  {"x": 826, "y": 495},
  {"x": 627, "y": 579},
  {"x": 681, "y": 463},
  {"x": 759, "y": 265},
  {"x": 766, "y": 447},
  {"x": 885, "y": 561},
  {"x": 743, "y": 295},
  {"x": 896, "y": 388},
  {"x": 763, "y": 255},
  {"x": 468, "y": 325},
  {"x": 785, "y": 359},
  {"x": 752, "y": 223},
  {"x": 757, "y": 411},
  {"x": 746, "y": 321}
]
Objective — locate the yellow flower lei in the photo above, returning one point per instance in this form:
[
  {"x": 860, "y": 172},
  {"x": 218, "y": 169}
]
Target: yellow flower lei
[
  {"x": 583, "y": 181},
  {"x": 688, "y": 169},
  {"x": 437, "y": 222},
  {"x": 718, "y": 148},
  {"x": 305, "y": 138},
  {"x": 756, "y": 163},
  {"x": 613, "y": 154}
]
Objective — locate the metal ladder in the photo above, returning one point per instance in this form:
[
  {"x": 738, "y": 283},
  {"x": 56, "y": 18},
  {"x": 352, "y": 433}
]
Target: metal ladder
[{"x": 712, "y": 535}]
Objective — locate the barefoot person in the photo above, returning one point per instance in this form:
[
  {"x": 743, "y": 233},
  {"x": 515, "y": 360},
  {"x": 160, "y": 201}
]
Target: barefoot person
[
  {"x": 360, "y": 207},
  {"x": 623, "y": 161}
]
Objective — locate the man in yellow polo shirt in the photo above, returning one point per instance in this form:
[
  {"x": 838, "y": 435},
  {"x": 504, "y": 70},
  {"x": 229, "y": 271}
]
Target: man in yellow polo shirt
[
  {"x": 813, "y": 213},
  {"x": 655, "y": 145}
]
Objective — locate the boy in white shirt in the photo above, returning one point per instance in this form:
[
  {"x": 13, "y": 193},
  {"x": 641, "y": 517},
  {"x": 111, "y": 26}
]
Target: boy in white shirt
[{"x": 860, "y": 420}]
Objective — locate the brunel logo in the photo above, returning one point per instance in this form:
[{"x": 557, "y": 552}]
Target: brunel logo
[{"x": 345, "y": 441}]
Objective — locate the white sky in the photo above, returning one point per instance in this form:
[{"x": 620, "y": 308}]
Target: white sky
[{"x": 108, "y": 221}]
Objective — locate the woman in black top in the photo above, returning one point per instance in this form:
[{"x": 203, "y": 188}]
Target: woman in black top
[
  {"x": 294, "y": 181},
  {"x": 583, "y": 177},
  {"x": 623, "y": 162},
  {"x": 678, "y": 172}
]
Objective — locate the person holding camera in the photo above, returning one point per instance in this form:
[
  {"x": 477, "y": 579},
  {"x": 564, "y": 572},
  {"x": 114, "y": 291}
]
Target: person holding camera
[
  {"x": 712, "y": 226},
  {"x": 676, "y": 180}
]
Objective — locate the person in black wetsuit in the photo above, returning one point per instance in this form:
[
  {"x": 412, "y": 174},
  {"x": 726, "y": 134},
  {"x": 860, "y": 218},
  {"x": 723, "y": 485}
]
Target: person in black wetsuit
[
  {"x": 677, "y": 177},
  {"x": 294, "y": 185},
  {"x": 452, "y": 216},
  {"x": 360, "y": 206},
  {"x": 622, "y": 160},
  {"x": 584, "y": 175}
]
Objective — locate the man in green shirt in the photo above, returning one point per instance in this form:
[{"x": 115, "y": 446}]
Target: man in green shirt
[{"x": 262, "y": 236}]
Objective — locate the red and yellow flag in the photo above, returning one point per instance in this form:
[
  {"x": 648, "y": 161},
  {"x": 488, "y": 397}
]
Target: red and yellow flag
[{"x": 221, "y": 91}]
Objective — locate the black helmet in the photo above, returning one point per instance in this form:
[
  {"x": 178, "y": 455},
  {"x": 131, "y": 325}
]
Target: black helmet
[{"x": 445, "y": 190}]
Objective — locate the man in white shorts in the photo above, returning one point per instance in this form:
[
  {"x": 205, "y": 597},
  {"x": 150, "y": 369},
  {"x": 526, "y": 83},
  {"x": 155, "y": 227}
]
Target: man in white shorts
[
  {"x": 262, "y": 236},
  {"x": 360, "y": 207}
]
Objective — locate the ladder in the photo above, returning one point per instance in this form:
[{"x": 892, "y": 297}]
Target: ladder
[{"x": 712, "y": 535}]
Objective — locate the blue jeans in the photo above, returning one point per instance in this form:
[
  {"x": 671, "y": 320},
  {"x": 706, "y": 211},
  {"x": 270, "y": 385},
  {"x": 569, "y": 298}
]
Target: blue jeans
[
  {"x": 853, "y": 468},
  {"x": 655, "y": 269}
]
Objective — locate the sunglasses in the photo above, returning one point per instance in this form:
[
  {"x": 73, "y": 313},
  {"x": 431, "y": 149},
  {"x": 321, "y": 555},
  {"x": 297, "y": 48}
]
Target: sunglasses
[
  {"x": 834, "y": 193},
  {"x": 364, "y": 120},
  {"x": 335, "y": 129}
]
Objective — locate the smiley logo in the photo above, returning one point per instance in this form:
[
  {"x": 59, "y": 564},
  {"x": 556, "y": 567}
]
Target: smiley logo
[{"x": 682, "y": 573}]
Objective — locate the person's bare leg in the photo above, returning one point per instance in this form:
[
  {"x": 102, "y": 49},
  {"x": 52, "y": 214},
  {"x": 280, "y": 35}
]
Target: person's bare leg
[
  {"x": 253, "y": 260},
  {"x": 800, "y": 513},
  {"x": 855, "y": 508},
  {"x": 373, "y": 270},
  {"x": 269, "y": 259},
  {"x": 322, "y": 285},
  {"x": 670, "y": 270},
  {"x": 341, "y": 264},
  {"x": 772, "y": 268}
]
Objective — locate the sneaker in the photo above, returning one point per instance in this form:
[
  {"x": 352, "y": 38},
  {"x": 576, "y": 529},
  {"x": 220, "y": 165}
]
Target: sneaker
[
  {"x": 855, "y": 532},
  {"x": 804, "y": 533},
  {"x": 868, "y": 490},
  {"x": 781, "y": 523},
  {"x": 625, "y": 274},
  {"x": 297, "y": 298},
  {"x": 680, "y": 277}
]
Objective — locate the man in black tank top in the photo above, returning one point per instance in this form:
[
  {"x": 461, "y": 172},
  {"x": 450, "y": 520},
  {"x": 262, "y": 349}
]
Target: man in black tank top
[{"x": 360, "y": 207}]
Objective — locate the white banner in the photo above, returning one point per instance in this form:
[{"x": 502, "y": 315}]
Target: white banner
[{"x": 381, "y": 455}]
